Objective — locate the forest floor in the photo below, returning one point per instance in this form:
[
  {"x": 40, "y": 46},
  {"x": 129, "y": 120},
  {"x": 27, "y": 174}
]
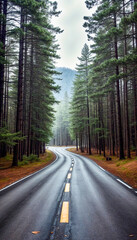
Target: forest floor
[
  {"x": 10, "y": 174},
  {"x": 125, "y": 169}
]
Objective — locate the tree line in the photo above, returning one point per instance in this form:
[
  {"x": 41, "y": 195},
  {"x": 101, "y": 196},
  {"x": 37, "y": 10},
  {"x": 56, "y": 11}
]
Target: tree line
[
  {"x": 61, "y": 132},
  {"x": 104, "y": 102},
  {"x": 27, "y": 57}
]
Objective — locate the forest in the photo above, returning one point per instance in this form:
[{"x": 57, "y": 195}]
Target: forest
[
  {"x": 101, "y": 113},
  {"x": 61, "y": 127},
  {"x": 28, "y": 51},
  {"x": 104, "y": 103}
]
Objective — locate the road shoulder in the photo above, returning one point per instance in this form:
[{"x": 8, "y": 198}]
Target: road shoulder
[{"x": 124, "y": 169}]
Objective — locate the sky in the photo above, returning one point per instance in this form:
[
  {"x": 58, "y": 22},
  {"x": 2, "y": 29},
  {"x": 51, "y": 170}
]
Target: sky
[{"x": 74, "y": 37}]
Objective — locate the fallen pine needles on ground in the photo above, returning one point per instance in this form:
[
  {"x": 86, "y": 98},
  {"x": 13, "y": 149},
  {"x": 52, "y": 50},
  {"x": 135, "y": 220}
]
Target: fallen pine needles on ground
[{"x": 10, "y": 174}]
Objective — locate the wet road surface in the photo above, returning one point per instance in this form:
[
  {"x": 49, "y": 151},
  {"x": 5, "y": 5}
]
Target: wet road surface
[{"x": 74, "y": 199}]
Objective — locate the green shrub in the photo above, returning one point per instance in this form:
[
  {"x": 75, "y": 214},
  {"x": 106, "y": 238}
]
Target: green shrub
[
  {"x": 133, "y": 148},
  {"x": 30, "y": 159},
  {"x": 25, "y": 157},
  {"x": 8, "y": 157},
  {"x": 33, "y": 158},
  {"x": 22, "y": 163}
]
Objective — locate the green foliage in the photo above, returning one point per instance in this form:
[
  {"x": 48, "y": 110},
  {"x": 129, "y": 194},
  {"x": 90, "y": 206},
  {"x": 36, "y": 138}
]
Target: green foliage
[
  {"x": 78, "y": 110},
  {"x": 27, "y": 160},
  {"x": 130, "y": 19},
  {"x": 32, "y": 158},
  {"x": 16, "y": 32},
  {"x": 23, "y": 163},
  {"x": 133, "y": 148},
  {"x": 29, "y": 5},
  {"x": 29, "y": 69},
  {"x": 9, "y": 138}
]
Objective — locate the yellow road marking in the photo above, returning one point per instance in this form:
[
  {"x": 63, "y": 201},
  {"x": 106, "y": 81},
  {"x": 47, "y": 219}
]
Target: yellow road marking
[
  {"x": 67, "y": 187},
  {"x": 65, "y": 213},
  {"x": 71, "y": 169},
  {"x": 69, "y": 175}
]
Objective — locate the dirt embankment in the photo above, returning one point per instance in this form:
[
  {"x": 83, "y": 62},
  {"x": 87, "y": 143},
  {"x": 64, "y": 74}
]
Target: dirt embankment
[{"x": 10, "y": 174}]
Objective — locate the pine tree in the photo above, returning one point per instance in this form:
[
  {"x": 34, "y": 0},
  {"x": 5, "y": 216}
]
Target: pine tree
[
  {"x": 83, "y": 72},
  {"x": 27, "y": 109}
]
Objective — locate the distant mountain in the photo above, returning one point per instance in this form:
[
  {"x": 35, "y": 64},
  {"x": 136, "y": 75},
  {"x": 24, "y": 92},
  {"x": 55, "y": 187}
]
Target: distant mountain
[{"x": 67, "y": 76}]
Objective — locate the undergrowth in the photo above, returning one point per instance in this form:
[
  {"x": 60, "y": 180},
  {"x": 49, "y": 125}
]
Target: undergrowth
[{"x": 29, "y": 159}]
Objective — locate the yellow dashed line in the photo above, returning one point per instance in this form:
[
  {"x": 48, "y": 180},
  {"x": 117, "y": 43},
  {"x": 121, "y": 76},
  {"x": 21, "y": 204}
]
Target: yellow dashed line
[
  {"x": 65, "y": 213},
  {"x": 67, "y": 187},
  {"x": 69, "y": 175}
]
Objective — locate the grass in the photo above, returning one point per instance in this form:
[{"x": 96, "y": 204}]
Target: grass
[{"x": 26, "y": 167}]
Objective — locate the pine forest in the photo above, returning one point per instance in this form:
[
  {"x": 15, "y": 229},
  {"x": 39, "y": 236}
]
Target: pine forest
[
  {"x": 100, "y": 113},
  {"x": 27, "y": 55},
  {"x": 104, "y": 102}
]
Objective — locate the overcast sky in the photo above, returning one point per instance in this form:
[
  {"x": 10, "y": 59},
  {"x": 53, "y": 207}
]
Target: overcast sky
[{"x": 73, "y": 38}]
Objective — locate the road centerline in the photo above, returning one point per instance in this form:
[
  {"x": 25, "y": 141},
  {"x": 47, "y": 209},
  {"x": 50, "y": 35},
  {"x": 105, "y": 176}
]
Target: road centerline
[
  {"x": 69, "y": 176},
  {"x": 67, "y": 187},
  {"x": 65, "y": 213}
]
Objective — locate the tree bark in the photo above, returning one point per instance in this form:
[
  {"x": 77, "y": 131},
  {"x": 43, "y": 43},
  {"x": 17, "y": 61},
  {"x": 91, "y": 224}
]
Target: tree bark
[
  {"x": 17, "y": 153},
  {"x": 30, "y": 101},
  {"x": 126, "y": 93},
  {"x": 88, "y": 115},
  {"x": 25, "y": 90},
  {"x": 2, "y": 42},
  {"x": 120, "y": 135}
]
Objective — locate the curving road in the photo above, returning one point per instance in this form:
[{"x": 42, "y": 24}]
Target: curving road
[{"x": 73, "y": 198}]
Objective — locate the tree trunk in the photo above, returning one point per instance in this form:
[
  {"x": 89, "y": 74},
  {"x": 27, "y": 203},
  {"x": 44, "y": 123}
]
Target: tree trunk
[
  {"x": 2, "y": 41},
  {"x": 17, "y": 153},
  {"x": 126, "y": 94},
  {"x": 88, "y": 122},
  {"x": 30, "y": 101},
  {"x": 112, "y": 119},
  {"x": 76, "y": 142},
  {"x": 134, "y": 32},
  {"x": 24, "y": 91},
  {"x": 99, "y": 126},
  {"x": 121, "y": 151}
]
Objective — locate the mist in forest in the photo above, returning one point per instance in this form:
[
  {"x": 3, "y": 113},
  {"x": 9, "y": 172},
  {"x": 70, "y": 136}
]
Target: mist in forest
[{"x": 61, "y": 128}]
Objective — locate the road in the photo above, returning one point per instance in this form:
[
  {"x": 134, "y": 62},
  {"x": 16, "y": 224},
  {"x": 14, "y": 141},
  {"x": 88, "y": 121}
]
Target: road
[{"x": 73, "y": 198}]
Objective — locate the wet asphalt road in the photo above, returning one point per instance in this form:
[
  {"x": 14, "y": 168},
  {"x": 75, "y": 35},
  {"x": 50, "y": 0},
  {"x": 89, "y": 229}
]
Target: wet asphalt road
[{"x": 101, "y": 207}]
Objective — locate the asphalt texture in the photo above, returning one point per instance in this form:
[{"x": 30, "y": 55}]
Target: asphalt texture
[{"x": 101, "y": 207}]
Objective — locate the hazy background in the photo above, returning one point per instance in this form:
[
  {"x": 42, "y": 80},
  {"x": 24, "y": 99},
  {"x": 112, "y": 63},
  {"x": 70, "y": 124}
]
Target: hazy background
[{"x": 73, "y": 38}]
